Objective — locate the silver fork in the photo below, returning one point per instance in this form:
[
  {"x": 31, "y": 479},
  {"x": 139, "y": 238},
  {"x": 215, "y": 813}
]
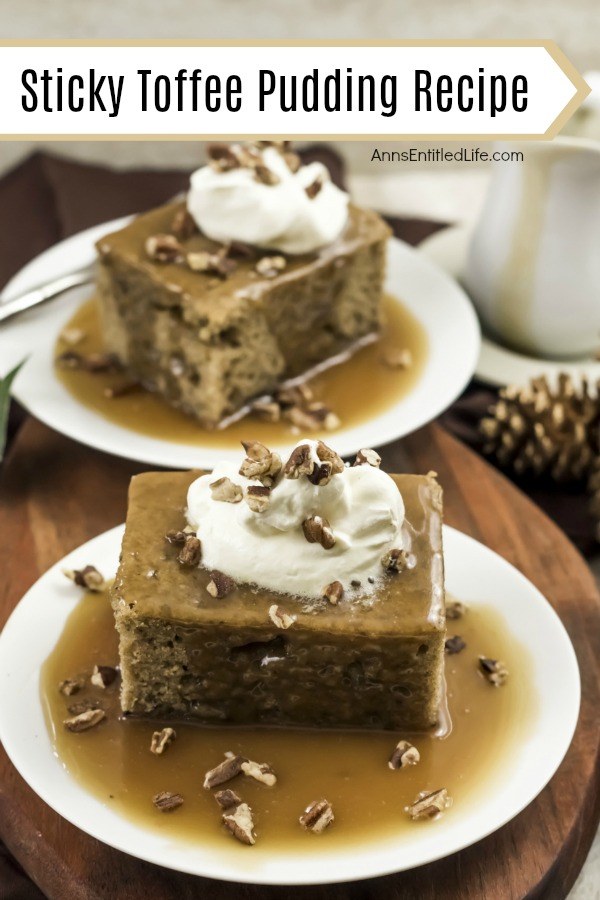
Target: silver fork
[{"x": 44, "y": 292}]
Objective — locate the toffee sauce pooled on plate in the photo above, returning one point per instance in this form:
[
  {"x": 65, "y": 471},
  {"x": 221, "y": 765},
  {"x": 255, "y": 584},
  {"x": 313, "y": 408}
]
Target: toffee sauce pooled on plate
[
  {"x": 361, "y": 387},
  {"x": 113, "y": 760}
]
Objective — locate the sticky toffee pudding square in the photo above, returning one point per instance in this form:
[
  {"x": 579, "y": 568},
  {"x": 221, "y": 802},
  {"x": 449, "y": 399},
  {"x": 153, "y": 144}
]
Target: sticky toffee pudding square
[
  {"x": 375, "y": 663},
  {"x": 211, "y": 332}
]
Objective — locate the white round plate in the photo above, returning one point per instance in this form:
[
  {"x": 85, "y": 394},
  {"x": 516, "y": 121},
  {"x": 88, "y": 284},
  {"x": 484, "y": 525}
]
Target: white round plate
[
  {"x": 497, "y": 365},
  {"x": 434, "y": 299},
  {"x": 474, "y": 573}
]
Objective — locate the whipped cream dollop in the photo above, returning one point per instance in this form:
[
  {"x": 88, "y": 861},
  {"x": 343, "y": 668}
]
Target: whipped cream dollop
[
  {"x": 269, "y": 549},
  {"x": 234, "y": 205}
]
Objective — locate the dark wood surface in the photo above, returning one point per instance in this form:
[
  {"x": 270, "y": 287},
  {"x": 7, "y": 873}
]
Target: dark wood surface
[{"x": 55, "y": 494}]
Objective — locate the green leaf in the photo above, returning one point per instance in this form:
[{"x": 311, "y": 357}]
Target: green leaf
[{"x": 5, "y": 386}]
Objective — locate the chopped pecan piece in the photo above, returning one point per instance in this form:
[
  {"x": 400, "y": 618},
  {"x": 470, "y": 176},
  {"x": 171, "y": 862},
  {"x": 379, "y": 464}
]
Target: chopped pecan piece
[
  {"x": 330, "y": 464},
  {"x": 89, "y": 577},
  {"x": 178, "y": 537},
  {"x": 428, "y": 805},
  {"x": 270, "y": 266},
  {"x": 333, "y": 592},
  {"x": 265, "y": 175},
  {"x": 268, "y": 410},
  {"x": 212, "y": 263},
  {"x": 220, "y": 585},
  {"x": 222, "y": 158},
  {"x": 317, "y": 816},
  {"x": 300, "y": 462},
  {"x": 280, "y": 618},
  {"x": 113, "y": 392},
  {"x": 183, "y": 225},
  {"x": 260, "y": 463},
  {"x": 493, "y": 670},
  {"x": 260, "y": 772},
  {"x": 317, "y": 530},
  {"x": 315, "y": 188},
  {"x": 225, "y": 771},
  {"x": 238, "y": 820},
  {"x": 103, "y": 676},
  {"x": 367, "y": 457},
  {"x": 313, "y": 417},
  {"x": 85, "y": 720},
  {"x": 227, "y": 798},
  {"x": 404, "y": 755},
  {"x": 293, "y": 160},
  {"x": 239, "y": 248},
  {"x": 397, "y": 359},
  {"x": 191, "y": 552},
  {"x": 84, "y": 705},
  {"x": 167, "y": 801},
  {"x": 455, "y": 609},
  {"x": 70, "y": 686},
  {"x": 454, "y": 644},
  {"x": 164, "y": 248},
  {"x": 226, "y": 491},
  {"x": 161, "y": 740},
  {"x": 298, "y": 395},
  {"x": 94, "y": 362},
  {"x": 257, "y": 497},
  {"x": 394, "y": 560}
]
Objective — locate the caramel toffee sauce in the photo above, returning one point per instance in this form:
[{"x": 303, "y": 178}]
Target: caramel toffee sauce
[
  {"x": 114, "y": 763},
  {"x": 356, "y": 389}
]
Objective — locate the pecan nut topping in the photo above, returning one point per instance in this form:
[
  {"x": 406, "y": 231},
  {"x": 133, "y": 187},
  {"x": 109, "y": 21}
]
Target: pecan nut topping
[
  {"x": 366, "y": 457},
  {"x": 280, "y": 618},
  {"x": 70, "y": 686},
  {"x": 493, "y": 670},
  {"x": 222, "y": 158},
  {"x": 429, "y": 805},
  {"x": 455, "y": 609},
  {"x": 394, "y": 560},
  {"x": 404, "y": 754},
  {"x": 212, "y": 263},
  {"x": 315, "y": 188},
  {"x": 220, "y": 585},
  {"x": 178, "y": 537},
  {"x": 224, "y": 490},
  {"x": 334, "y": 592},
  {"x": 103, "y": 676},
  {"x": 317, "y": 530},
  {"x": 163, "y": 248},
  {"x": 271, "y": 266},
  {"x": 85, "y": 720},
  {"x": 227, "y": 799},
  {"x": 260, "y": 463},
  {"x": 191, "y": 552},
  {"x": 89, "y": 577},
  {"x": 454, "y": 644},
  {"x": 260, "y": 772},
  {"x": 161, "y": 740},
  {"x": 258, "y": 497},
  {"x": 239, "y": 821},
  {"x": 265, "y": 175},
  {"x": 183, "y": 225},
  {"x": 167, "y": 801},
  {"x": 317, "y": 816},
  {"x": 225, "y": 771},
  {"x": 299, "y": 463}
]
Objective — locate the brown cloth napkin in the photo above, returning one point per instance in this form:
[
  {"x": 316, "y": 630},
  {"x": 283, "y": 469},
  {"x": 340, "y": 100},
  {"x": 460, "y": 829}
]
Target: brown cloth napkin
[{"x": 47, "y": 198}]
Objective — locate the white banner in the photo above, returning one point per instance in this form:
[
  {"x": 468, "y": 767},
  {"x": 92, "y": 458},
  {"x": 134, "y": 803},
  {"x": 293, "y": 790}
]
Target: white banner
[{"x": 343, "y": 90}]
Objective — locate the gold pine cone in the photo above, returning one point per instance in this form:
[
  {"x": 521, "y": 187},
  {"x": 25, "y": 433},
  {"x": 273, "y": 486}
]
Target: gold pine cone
[{"x": 545, "y": 430}]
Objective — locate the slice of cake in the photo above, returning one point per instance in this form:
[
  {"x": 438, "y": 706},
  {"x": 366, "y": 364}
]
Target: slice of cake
[
  {"x": 303, "y": 593},
  {"x": 264, "y": 272}
]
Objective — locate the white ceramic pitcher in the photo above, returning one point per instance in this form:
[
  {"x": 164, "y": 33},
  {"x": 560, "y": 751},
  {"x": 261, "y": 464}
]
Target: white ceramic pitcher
[{"x": 533, "y": 269}]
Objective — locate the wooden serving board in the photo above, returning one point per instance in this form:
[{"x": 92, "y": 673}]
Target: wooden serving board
[{"x": 55, "y": 494}]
